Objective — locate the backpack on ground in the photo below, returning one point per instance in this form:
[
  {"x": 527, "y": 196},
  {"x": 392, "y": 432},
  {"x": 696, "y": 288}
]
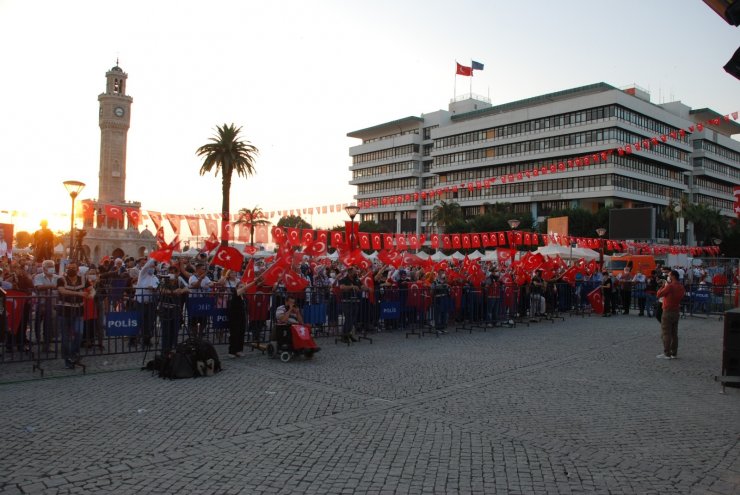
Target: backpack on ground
[{"x": 191, "y": 358}]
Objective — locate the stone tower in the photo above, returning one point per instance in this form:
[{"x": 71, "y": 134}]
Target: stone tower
[
  {"x": 114, "y": 121},
  {"x": 111, "y": 223}
]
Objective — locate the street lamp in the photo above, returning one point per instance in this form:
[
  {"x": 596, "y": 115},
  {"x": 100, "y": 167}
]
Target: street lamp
[
  {"x": 717, "y": 241},
  {"x": 74, "y": 187},
  {"x": 352, "y": 212},
  {"x": 601, "y": 231}
]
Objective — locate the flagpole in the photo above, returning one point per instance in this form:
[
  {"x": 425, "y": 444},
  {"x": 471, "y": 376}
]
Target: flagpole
[{"x": 471, "y": 77}]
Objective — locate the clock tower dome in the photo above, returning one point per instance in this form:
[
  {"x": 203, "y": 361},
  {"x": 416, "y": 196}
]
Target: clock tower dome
[{"x": 114, "y": 120}]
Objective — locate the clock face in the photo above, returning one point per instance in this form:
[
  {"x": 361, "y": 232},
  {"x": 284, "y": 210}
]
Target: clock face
[{"x": 118, "y": 111}]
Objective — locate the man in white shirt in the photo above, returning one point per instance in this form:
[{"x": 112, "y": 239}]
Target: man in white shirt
[
  {"x": 145, "y": 288},
  {"x": 199, "y": 285},
  {"x": 45, "y": 284},
  {"x": 3, "y": 244}
]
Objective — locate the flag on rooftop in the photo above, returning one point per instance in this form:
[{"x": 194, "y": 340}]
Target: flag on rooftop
[
  {"x": 476, "y": 65},
  {"x": 463, "y": 70}
]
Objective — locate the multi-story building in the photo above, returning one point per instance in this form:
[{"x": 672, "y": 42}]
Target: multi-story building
[{"x": 475, "y": 142}]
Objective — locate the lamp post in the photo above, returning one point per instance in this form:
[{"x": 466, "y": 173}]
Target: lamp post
[
  {"x": 600, "y": 232},
  {"x": 352, "y": 212},
  {"x": 74, "y": 187},
  {"x": 513, "y": 223},
  {"x": 717, "y": 241}
]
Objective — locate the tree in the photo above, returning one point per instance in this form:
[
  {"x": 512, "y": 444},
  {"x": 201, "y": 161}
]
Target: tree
[
  {"x": 370, "y": 226},
  {"x": 294, "y": 221},
  {"x": 252, "y": 218},
  {"x": 227, "y": 153},
  {"x": 445, "y": 214},
  {"x": 708, "y": 222}
]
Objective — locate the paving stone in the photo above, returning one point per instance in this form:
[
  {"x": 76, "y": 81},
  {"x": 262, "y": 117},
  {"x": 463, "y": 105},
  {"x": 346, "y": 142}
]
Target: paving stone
[{"x": 580, "y": 406}]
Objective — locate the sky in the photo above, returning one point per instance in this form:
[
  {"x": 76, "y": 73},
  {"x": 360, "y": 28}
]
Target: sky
[{"x": 298, "y": 75}]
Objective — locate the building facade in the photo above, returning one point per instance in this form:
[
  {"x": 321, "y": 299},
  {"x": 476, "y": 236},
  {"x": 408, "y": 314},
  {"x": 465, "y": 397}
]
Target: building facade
[
  {"x": 474, "y": 142},
  {"x": 104, "y": 235}
]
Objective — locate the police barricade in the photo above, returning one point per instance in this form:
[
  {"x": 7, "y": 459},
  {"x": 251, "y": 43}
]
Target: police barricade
[{"x": 708, "y": 300}]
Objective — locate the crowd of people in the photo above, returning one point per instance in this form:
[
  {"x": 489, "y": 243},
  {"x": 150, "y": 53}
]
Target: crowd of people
[{"x": 68, "y": 301}]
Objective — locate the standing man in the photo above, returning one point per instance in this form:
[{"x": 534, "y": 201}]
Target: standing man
[
  {"x": 640, "y": 284},
  {"x": 672, "y": 292},
  {"x": 351, "y": 287},
  {"x": 606, "y": 293},
  {"x": 43, "y": 242},
  {"x": 72, "y": 292},
  {"x": 45, "y": 284},
  {"x": 624, "y": 280},
  {"x": 146, "y": 292}
]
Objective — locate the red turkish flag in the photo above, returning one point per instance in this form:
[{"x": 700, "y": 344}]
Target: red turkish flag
[
  {"x": 369, "y": 282},
  {"x": 156, "y": 218},
  {"x": 364, "y": 239},
  {"x": 88, "y": 209},
  {"x": 337, "y": 239},
  {"x": 446, "y": 242},
  {"x": 596, "y": 300},
  {"x": 435, "y": 241},
  {"x": 463, "y": 70},
  {"x": 294, "y": 282},
  {"x": 260, "y": 234},
  {"x": 401, "y": 242},
  {"x": 294, "y": 236},
  {"x": 393, "y": 258},
  {"x": 248, "y": 275},
  {"x": 114, "y": 212},
  {"x": 316, "y": 248},
  {"x": 225, "y": 230},
  {"x": 159, "y": 237},
  {"x": 278, "y": 235},
  {"x": 466, "y": 241},
  {"x": 134, "y": 216},
  {"x": 211, "y": 226},
  {"x": 163, "y": 255},
  {"x": 570, "y": 275},
  {"x": 388, "y": 241},
  {"x": 475, "y": 240},
  {"x": 413, "y": 241},
  {"x": 249, "y": 250},
  {"x": 273, "y": 273},
  {"x": 307, "y": 237},
  {"x": 377, "y": 241},
  {"x": 193, "y": 224},
  {"x": 456, "y": 241},
  {"x": 228, "y": 257},
  {"x": 174, "y": 221},
  {"x": 485, "y": 240},
  {"x": 527, "y": 239},
  {"x": 210, "y": 244},
  {"x": 501, "y": 239},
  {"x": 503, "y": 255},
  {"x": 322, "y": 236}
]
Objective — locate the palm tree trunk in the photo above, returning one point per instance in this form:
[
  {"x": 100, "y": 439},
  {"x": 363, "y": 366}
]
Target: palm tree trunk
[
  {"x": 226, "y": 190},
  {"x": 251, "y": 234}
]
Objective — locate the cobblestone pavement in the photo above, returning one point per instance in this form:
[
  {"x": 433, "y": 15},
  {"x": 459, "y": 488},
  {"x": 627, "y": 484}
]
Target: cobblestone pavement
[{"x": 575, "y": 406}]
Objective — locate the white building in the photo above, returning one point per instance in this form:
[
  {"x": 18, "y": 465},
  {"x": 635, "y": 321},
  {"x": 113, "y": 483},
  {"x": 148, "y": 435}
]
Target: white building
[{"x": 474, "y": 142}]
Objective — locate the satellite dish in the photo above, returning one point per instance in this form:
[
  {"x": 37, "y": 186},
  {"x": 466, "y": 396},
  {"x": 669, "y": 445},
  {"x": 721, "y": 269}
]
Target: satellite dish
[{"x": 677, "y": 208}]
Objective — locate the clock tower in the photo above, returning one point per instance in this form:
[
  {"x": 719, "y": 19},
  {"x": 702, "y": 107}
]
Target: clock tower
[
  {"x": 110, "y": 222},
  {"x": 114, "y": 120}
]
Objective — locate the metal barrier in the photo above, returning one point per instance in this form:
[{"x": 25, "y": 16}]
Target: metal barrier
[{"x": 122, "y": 320}]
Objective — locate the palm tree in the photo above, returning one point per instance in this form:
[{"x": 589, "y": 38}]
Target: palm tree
[
  {"x": 708, "y": 222},
  {"x": 251, "y": 218},
  {"x": 446, "y": 213},
  {"x": 227, "y": 153}
]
